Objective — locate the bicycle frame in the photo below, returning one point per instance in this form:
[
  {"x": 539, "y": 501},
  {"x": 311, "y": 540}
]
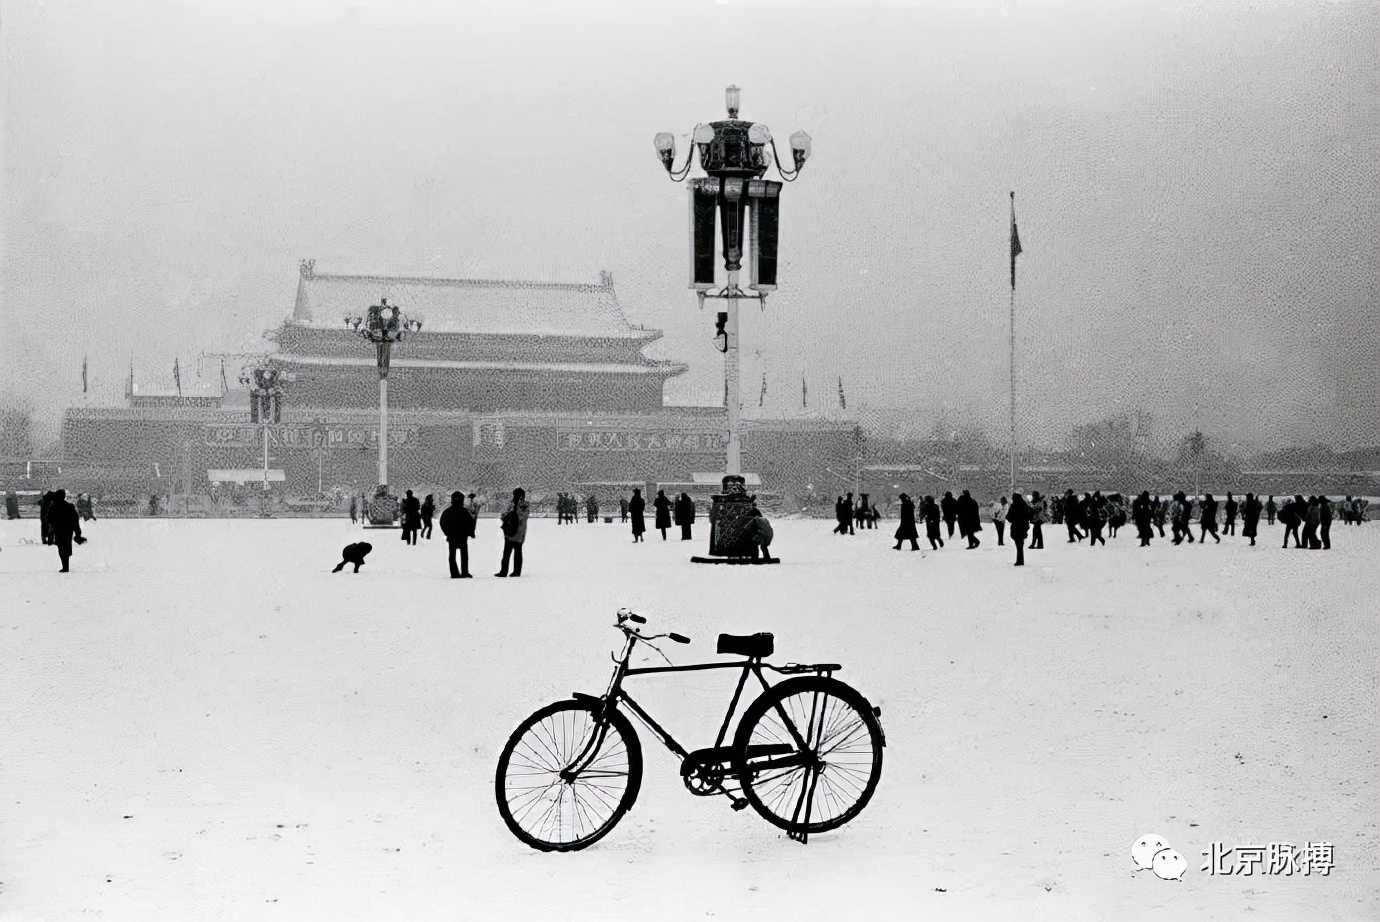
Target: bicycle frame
[{"x": 614, "y": 696}]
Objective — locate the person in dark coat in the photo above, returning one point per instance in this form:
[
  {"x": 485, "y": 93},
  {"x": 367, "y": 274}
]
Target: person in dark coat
[
  {"x": 355, "y": 554},
  {"x": 1142, "y": 514},
  {"x": 948, "y": 506},
  {"x": 843, "y": 515},
  {"x": 1250, "y": 517},
  {"x": 514, "y": 524},
  {"x": 1094, "y": 517},
  {"x": 592, "y": 508},
  {"x": 354, "y": 509},
  {"x": 623, "y": 507},
  {"x": 760, "y": 533},
  {"x": 1270, "y": 510},
  {"x": 637, "y": 507},
  {"x": 1290, "y": 517},
  {"x": 969, "y": 518},
  {"x": 457, "y": 524},
  {"x": 1018, "y": 524},
  {"x": 1229, "y": 510},
  {"x": 11, "y": 505},
  {"x": 1038, "y": 509},
  {"x": 1325, "y": 522},
  {"x": 428, "y": 513},
  {"x": 411, "y": 517},
  {"x": 907, "y": 531},
  {"x": 685, "y": 515},
  {"x": 1312, "y": 518},
  {"x": 85, "y": 508},
  {"x": 930, "y": 510},
  {"x": 64, "y": 526},
  {"x": 663, "y": 512},
  {"x": 1071, "y": 517},
  {"x": 1208, "y": 522},
  {"x": 45, "y": 528}
]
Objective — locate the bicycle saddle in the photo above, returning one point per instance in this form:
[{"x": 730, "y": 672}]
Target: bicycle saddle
[{"x": 750, "y": 645}]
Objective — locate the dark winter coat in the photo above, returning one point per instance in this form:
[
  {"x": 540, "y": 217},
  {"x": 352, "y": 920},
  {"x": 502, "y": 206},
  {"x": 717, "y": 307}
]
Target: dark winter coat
[
  {"x": 663, "y": 510},
  {"x": 907, "y": 531},
  {"x": 1018, "y": 518},
  {"x": 948, "y": 507},
  {"x": 1250, "y": 518},
  {"x": 457, "y": 523},
  {"x": 636, "y": 507},
  {"x": 63, "y": 522},
  {"x": 411, "y": 512},
  {"x": 969, "y": 515},
  {"x": 518, "y": 509}
]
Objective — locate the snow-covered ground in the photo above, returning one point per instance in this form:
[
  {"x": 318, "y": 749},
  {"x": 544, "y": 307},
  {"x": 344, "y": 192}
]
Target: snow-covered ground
[{"x": 203, "y": 722}]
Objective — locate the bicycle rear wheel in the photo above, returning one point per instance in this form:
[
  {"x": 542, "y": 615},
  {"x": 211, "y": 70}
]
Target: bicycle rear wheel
[
  {"x": 808, "y": 754},
  {"x": 546, "y": 804}
]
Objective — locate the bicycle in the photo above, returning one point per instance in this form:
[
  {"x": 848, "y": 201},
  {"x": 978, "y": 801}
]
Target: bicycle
[{"x": 807, "y": 753}]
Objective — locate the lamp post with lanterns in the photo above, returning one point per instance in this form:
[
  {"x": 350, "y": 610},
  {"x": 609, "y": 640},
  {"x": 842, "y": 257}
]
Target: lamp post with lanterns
[
  {"x": 265, "y": 386},
  {"x": 734, "y": 155},
  {"x": 383, "y": 326}
]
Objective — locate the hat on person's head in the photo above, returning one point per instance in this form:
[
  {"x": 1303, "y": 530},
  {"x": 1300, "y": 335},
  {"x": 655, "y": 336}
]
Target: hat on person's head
[
  {"x": 60, "y": 494},
  {"x": 457, "y": 497},
  {"x": 519, "y": 492}
]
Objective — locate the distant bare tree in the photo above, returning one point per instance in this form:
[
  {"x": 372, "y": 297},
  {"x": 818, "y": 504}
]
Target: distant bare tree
[{"x": 16, "y": 427}]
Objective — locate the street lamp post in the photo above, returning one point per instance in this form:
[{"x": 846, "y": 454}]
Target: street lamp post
[
  {"x": 383, "y": 326},
  {"x": 264, "y": 383},
  {"x": 733, "y": 154}
]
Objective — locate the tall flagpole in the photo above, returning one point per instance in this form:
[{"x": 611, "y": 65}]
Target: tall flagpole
[{"x": 1015, "y": 249}]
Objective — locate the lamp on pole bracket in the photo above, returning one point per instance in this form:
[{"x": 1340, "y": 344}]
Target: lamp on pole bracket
[{"x": 745, "y": 207}]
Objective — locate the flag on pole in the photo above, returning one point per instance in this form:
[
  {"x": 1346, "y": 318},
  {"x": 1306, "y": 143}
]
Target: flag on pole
[
  {"x": 83, "y": 374},
  {"x": 177, "y": 376},
  {"x": 761, "y": 398},
  {"x": 843, "y": 404},
  {"x": 804, "y": 394},
  {"x": 1015, "y": 242}
]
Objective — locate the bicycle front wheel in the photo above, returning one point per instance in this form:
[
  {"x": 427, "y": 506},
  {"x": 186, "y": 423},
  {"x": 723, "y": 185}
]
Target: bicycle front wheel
[
  {"x": 566, "y": 778},
  {"x": 808, "y": 754}
]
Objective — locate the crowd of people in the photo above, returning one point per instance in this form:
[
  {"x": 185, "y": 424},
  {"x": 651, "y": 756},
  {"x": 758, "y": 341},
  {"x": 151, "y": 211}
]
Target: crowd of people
[{"x": 1308, "y": 520}]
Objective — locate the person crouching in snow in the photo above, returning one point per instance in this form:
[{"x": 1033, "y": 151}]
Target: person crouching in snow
[
  {"x": 355, "y": 554},
  {"x": 760, "y": 533}
]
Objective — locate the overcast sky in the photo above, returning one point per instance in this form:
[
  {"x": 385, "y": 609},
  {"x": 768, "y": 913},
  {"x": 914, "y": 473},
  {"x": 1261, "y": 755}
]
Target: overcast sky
[{"x": 1198, "y": 190}]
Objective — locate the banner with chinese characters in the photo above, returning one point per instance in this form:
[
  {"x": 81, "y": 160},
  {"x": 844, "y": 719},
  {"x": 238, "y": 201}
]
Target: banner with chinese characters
[
  {"x": 306, "y": 437},
  {"x": 591, "y": 439}
]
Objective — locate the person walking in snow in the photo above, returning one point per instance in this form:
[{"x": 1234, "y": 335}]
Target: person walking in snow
[
  {"x": 1018, "y": 518},
  {"x": 514, "y": 524},
  {"x": 637, "y": 507},
  {"x": 930, "y": 510},
  {"x": 999, "y": 520},
  {"x": 907, "y": 531},
  {"x": 64, "y": 527},
  {"x": 685, "y": 515},
  {"x": 663, "y": 512},
  {"x": 457, "y": 525}
]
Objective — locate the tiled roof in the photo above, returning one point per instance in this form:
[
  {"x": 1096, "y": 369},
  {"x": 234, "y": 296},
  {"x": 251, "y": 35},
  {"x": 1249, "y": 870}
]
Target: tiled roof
[{"x": 469, "y": 305}]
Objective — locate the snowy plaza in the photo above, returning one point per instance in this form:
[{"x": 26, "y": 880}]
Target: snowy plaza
[{"x": 203, "y": 722}]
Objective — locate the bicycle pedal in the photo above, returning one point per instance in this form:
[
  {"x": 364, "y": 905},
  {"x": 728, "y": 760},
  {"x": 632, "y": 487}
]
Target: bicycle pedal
[
  {"x": 738, "y": 803},
  {"x": 801, "y": 837}
]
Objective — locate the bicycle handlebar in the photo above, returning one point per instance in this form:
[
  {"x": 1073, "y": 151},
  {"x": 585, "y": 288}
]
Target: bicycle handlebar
[{"x": 625, "y": 615}]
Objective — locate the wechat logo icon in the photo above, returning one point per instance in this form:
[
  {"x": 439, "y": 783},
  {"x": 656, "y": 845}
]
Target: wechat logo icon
[{"x": 1152, "y": 853}]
